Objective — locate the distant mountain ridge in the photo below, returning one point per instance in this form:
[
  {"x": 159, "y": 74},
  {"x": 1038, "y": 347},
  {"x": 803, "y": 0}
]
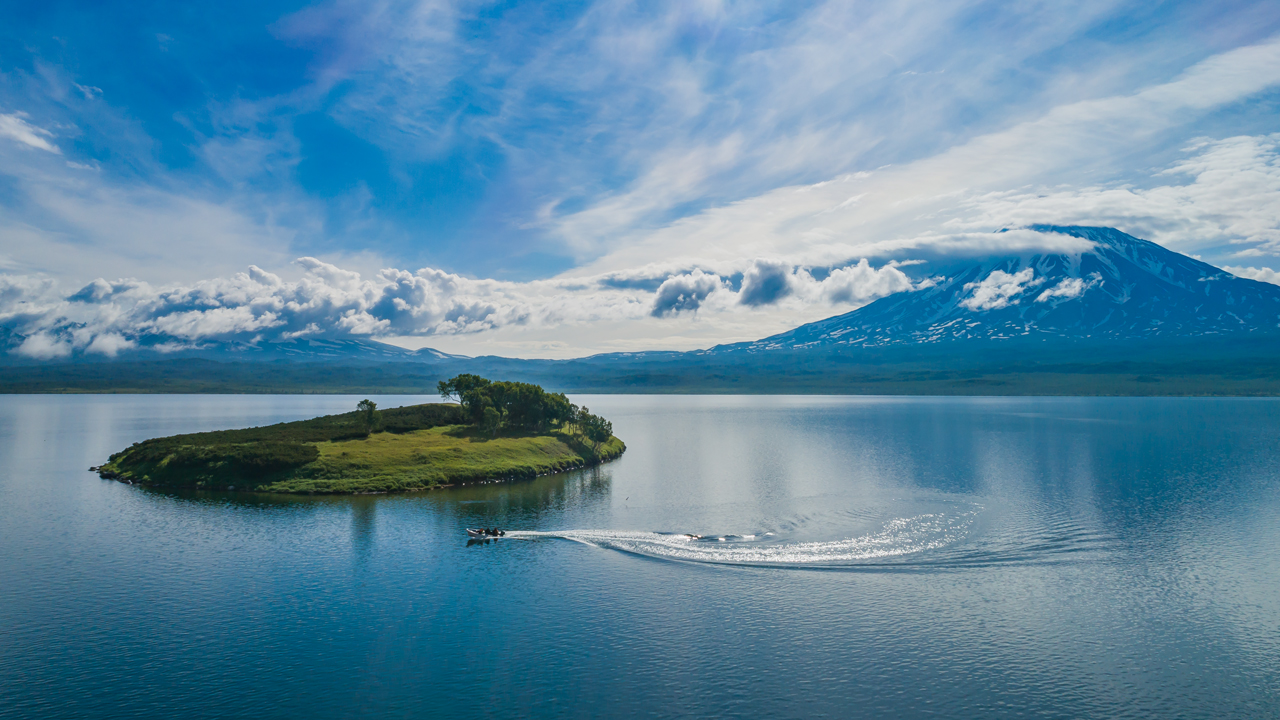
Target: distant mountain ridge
[
  {"x": 1123, "y": 300},
  {"x": 345, "y": 350},
  {"x": 318, "y": 349},
  {"x": 1123, "y": 289}
]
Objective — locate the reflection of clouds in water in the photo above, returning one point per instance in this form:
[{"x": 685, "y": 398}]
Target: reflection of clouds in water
[{"x": 901, "y": 536}]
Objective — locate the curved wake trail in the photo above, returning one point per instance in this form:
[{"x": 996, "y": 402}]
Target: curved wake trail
[{"x": 898, "y": 537}]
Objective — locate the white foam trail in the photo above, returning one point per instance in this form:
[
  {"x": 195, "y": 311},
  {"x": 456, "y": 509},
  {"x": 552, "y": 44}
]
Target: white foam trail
[{"x": 901, "y": 536}]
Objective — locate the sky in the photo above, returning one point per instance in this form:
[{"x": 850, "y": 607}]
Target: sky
[{"x": 541, "y": 179}]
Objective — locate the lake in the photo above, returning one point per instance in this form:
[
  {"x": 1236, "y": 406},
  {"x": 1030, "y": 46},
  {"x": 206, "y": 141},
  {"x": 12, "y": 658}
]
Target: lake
[{"x": 869, "y": 557}]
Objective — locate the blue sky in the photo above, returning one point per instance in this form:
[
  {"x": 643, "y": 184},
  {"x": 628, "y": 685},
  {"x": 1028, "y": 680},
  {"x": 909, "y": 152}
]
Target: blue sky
[{"x": 538, "y": 170}]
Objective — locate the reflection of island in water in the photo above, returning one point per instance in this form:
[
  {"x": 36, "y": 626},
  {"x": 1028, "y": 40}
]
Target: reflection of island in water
[
  {"x": 364, "y": 521},
  {"x": 525, "y": 505}
]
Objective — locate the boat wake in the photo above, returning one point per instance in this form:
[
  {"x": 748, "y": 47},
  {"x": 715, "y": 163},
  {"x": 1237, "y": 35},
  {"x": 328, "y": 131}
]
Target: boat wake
[{"x": 898, "y": 537}]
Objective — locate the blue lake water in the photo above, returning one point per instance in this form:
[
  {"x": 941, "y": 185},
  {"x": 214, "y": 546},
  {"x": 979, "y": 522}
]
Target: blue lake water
[{"x": 861, "y": 557}]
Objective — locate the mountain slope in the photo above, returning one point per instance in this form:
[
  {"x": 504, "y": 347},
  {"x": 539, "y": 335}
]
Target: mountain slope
[{"x": 1123, "y": 289}]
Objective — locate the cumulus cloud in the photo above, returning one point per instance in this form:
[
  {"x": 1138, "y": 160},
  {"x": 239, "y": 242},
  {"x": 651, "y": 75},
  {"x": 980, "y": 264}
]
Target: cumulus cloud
[
  {"x": 685, "y": 292},
  {"x": 1260, "y": 274},
  {"x": 19, "y": 290},
  {"x": 44, "y": 346},
  {"x": 766, "y": 282},
  {"x": 1069, "y": 288},
  {"x": 108, "y": 317},
  {"x": 707, "y": 161},
  {"x": 15, "y": 127},
  {"x": 327, "y": 301},
  {"x": 109, "y": 344},
  {"x": 862, "y": 283},
  {"x": 999, "y": 289},
  {"x": 100, "y": 290}
]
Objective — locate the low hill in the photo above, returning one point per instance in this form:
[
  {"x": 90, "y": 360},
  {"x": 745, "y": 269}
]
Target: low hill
[{"x": 410, "y": 448}]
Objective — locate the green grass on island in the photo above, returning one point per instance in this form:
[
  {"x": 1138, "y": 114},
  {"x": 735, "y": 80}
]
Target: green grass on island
[{"x": 408, "y": 448}]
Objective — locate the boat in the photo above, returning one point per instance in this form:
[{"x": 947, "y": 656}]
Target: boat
[{"x": 483, "y": 533}]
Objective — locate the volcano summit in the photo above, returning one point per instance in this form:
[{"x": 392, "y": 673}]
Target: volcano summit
[{"x": 1121, "y": 289}]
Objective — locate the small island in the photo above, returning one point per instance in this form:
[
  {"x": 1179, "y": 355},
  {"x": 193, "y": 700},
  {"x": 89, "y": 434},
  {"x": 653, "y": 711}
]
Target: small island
[{"x": 495, "y": 430}]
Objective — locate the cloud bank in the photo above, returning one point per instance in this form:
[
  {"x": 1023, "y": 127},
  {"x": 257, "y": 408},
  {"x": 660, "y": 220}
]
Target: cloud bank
[
  {"x": 706, "y": 294},
  {"x": 607, "y": 175},
  {"x": 106, "y": 317}
]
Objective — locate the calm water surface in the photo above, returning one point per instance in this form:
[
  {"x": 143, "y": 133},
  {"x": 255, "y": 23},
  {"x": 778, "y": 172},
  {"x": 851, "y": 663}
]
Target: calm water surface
[{"x": 861, "y": 557}]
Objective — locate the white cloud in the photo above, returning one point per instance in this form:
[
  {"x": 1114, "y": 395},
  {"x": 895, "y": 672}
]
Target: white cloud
[
  {"x": 1068, "y": 289},
  {"x": 328, "y": 300},
  {"x": 862, "y": 283},
  {"x": 107, "y": 317},
  {"x": 1233, "y": 199},
  {"x": 712, "y": 164},
  {"x": 1260, "y": 274},
  {"x": 80, "y": 225},
  {"x": 15, "y": 127},
  {"x": 1041, "y": 170},
  {"x": 766, "y": 282},
  {"x": 43, "y": 346},
  {"x": 109, "y": 344},
  {"x": 685, "y": 292},
  {"x": 637, "y": 123},
  {"x": 999, "y": 289}
]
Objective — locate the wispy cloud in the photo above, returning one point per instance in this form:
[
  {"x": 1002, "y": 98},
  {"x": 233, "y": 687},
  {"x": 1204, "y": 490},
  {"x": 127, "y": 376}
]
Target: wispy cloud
[
  {"x": 14, "y": 126},
  {"x": 665, "y": 174},
  {"x": 1035, "y": 171}
]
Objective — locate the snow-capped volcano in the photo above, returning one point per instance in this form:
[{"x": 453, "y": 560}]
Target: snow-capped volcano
[{"x": 1123, "y": 288}]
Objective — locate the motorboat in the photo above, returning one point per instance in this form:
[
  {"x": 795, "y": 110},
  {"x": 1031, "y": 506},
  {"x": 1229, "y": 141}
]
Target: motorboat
[{"x": 484, "y": 533}]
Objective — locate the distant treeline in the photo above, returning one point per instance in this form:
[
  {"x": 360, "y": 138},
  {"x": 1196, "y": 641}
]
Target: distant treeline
[{"x": 1204, "y": 366}]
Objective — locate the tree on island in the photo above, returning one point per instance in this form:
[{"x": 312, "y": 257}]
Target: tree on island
[
  {"x": 491, "y": 422},
  {"x": 595, "y": 428},
  {"x": 368, "y": 410},
  {"x": 495, "y": 405}
]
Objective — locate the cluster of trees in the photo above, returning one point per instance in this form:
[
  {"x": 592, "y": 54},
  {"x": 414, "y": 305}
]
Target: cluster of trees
[{"x": 494, "y": 405}]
